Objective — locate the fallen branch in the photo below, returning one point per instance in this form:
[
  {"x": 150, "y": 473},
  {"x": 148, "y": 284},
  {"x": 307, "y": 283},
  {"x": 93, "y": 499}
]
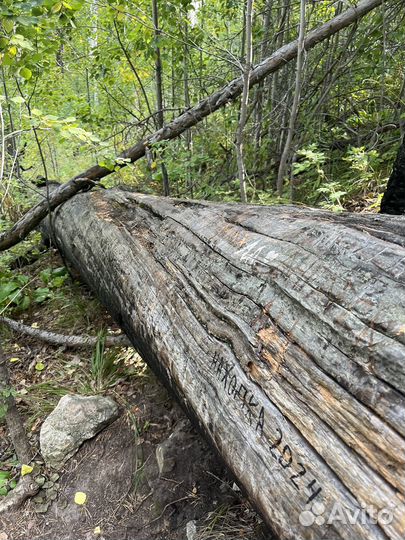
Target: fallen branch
[
  {"x": 13, "y": 418},
  {"x": 72, "y": 342},
  {"x": 183, "y": 122},
  {"x": 25, "y": 489}
]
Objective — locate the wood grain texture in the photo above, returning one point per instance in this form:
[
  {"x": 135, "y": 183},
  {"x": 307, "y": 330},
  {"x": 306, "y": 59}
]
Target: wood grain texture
[{"x": 282, "y": 332}]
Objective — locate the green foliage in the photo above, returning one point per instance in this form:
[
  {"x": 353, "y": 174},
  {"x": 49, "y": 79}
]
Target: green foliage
[
  {"x": 104, "y": 369},
  {"x": 18, "y": 291},
  {"x": 80, "y": 79},
  {"x": 7, "y": 483}
]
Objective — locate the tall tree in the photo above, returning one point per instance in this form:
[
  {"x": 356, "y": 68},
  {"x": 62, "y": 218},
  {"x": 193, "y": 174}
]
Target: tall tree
[
  {"x": 296, "y": 101},
  {"x": 159, "y": 91},
  {"x": 247, "y": 68}
]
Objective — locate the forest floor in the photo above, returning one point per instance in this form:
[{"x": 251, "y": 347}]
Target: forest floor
[{"x": 149, "y": 475}]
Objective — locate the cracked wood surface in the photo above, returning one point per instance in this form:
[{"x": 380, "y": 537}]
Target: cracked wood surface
[{"x": 282, "y": 332}]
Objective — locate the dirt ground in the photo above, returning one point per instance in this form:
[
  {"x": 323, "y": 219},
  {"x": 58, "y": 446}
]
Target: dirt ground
[{"x": 147, "y": 476}]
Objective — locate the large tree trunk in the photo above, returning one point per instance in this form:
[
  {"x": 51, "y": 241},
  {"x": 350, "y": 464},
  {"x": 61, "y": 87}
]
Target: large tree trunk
[{"x": 282, "y": 332}]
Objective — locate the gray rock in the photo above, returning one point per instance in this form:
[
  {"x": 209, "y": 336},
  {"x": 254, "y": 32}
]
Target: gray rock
[
  {"x": 191, "y": 530},
  {"x": 74, "y": 420}
]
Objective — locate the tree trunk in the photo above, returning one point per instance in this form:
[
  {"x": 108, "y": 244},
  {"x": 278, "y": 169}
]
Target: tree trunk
[
  {"x": 296, "y": 102},
  {"x": 159, "y": 93},
  {"x": 281, "y": 330},
  {"x": 393, "y": 201},
  {"x": 13, "y": 418},
  {"x": 247, "y": 68}
]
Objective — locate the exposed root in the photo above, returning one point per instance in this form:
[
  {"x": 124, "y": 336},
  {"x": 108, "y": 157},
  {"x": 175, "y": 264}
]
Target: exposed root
[{"x": 25, "y": 489}]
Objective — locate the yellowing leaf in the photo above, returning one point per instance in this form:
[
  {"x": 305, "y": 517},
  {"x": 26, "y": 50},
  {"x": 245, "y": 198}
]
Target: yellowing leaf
[
  {"x": 97, "y": 530},
  {"x": 153, "y": 165},
  {"x": 57, "y": 7},
  {"x": 39, "y": 366},
  {"x": 26, "y": 469},
  {"x": 26, "y": 73},
  {"x": 14, "y": 359},
  {"x": 80, "y": 497},
  {"x": 12, "y": 51},
  {"x": 35, "y": 325}
]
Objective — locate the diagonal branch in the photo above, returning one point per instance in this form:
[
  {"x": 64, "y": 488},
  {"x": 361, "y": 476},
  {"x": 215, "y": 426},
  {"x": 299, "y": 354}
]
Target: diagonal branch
[
  {"x": 189, "y": 118},
  {"x": 73, "y": 342}
]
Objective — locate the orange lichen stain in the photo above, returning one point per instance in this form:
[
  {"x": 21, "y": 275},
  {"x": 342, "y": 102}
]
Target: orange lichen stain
[
  {"x": 236, "y": 237},
  {"x": 326, "y": 394},
  {"x": 267, "y": 334},
  {"x": 273, "y": 363},
  {"x": 273, "y": 341},
  {"x": 401, "y": 497}
]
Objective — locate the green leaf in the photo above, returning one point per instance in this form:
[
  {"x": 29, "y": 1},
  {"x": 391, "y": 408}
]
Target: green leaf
[
  {"x": 4, "y": 476},
  {"x": 8, "y": 25},
  {"x": 18, "y": 100},
  {"x": 12, "y": 51},
  {"x": 26, "y": 73},
  {"x": 25, "y": 302},
  {"x": 7, "y": 288},
  {"x": 57, "y": 7},
  {"x": 61, "y": 271},
  {"x": 41, "y": 294}
]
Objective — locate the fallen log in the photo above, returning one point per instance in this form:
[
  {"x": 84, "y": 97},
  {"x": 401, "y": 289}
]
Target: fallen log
[{"x": 281, "y": 330}]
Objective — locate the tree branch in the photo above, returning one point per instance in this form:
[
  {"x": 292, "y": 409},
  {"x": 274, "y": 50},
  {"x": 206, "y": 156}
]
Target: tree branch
[{"x": 62, "y": 340}]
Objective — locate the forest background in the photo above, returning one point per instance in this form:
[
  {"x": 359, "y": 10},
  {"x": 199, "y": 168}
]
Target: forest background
[{"x": 82, "y": 80}]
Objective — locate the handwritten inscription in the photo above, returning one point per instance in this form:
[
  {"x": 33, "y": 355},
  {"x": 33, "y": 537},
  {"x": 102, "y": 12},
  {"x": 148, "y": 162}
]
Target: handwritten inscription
[
  {"x": 257, "y": 250},
  {"x": 255, "y": 416}
]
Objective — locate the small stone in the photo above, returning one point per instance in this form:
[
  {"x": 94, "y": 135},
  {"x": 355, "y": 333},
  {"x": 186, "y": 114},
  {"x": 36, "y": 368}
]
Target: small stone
[
  {"x": 41, "y": 508},
  {"x": 40, "y": 480},
  {"x": 52, "y": 494},
  {"x": 48, "y": 485},
  {"x": 191, "y": 530},
  {"x": 74, "y": 420}
]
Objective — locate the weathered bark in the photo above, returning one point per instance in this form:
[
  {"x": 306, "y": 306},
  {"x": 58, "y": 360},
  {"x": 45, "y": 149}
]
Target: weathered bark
[
  {"x": 282, "y": 332},
  {"x": 189, "y": 118}
]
